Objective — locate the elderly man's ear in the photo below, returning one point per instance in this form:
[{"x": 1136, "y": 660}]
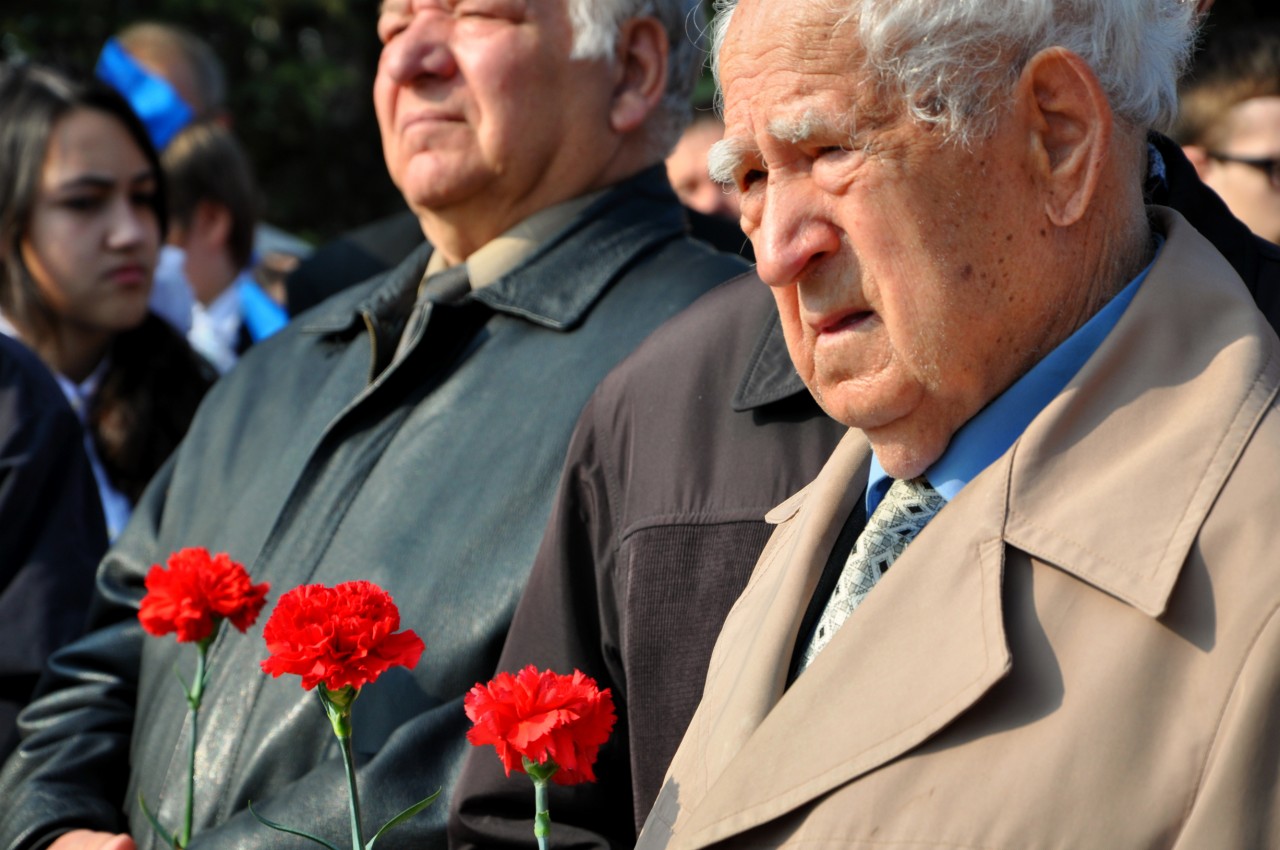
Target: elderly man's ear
[
  {"x": 640, "y": 74},
  {"x": 1070, "y": 125}
]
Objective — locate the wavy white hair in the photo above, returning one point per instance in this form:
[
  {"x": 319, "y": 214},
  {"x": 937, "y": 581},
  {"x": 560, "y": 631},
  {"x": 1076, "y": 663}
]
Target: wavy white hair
[
  {"x": 596, "y": 24},
  {"x": 954, "y": 63}
]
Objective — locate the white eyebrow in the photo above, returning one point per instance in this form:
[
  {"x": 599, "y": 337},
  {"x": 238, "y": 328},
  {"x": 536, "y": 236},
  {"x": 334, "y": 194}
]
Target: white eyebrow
[
  {"x": 810, "y": 124},
  {"x": 724, "y": 159}
]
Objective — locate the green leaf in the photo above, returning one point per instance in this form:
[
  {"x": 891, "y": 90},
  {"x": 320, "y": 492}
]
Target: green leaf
[
  {"x": 282, "y": 828},
  {"x": 169, "y": 840},
  {"x": 402, "y": 817}
]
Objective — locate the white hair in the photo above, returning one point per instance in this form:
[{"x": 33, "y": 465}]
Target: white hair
[
  {"x": 596, "y": 24},
  {"x": 954, "y": 63}
]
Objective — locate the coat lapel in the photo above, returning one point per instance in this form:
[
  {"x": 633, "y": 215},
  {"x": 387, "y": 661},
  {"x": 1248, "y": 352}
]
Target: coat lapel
[
  {"x": 917, "y": 654},
  {"x": 1077, "y": 491}
]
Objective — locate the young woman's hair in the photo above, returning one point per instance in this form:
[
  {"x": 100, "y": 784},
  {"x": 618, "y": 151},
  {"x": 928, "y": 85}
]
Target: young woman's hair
[
  {"x": 154, "y": 382},
  {"x": 33, "y": 99}
]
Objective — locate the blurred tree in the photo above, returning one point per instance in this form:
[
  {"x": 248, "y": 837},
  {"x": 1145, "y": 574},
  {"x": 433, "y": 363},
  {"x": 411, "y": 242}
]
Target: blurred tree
[
  {"x": 299, "y": 75},
  {"x": 299, "y": 79}
]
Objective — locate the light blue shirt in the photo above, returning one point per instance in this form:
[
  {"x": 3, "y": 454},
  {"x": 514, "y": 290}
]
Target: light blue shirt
[{"x": 990, "y": 433}]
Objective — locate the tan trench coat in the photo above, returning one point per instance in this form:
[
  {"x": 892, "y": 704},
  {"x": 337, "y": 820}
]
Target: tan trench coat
[{"x": 1081, "y": 650}]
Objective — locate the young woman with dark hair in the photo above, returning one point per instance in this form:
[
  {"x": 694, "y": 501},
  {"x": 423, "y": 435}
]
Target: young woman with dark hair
[{"x": 82, "y": 217}]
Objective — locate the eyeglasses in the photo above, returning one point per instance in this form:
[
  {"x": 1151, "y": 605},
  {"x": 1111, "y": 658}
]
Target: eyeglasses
[{"x": 1269, "y": 166}]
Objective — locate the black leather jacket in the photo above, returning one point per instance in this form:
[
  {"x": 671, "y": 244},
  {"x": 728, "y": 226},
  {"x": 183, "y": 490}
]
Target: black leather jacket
[{"x": 433, "y": 479}]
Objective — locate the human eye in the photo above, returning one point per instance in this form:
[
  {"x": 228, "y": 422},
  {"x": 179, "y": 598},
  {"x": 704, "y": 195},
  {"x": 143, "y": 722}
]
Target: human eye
[
  {"x": 751, "y": 177},
  {"x": 143, "y": 198},
  {"x": 81, "y": 202}
]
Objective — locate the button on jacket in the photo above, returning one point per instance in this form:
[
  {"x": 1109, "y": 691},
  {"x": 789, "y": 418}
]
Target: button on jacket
[{"x": 323, "y": 458}]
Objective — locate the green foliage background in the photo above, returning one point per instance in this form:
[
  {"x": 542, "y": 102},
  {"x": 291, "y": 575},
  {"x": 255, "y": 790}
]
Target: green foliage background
[{"x": 299, "y": 75}]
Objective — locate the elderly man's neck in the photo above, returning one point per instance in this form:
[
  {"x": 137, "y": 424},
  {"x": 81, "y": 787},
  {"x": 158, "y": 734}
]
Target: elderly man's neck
[{"x": 458, "y": 231}]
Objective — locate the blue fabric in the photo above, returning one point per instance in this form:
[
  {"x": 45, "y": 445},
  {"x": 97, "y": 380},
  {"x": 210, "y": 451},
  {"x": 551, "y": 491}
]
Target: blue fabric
[
  {"x": 262, "y": 316},
  {"x": 994, "y": 429},
  {"x": 157, "y": 103}
]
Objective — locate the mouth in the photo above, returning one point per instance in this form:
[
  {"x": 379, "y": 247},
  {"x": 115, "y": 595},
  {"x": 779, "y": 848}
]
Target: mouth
[
  {"x": 842, "y": 322},
  {"x": 424, "y": 119},
  {"x": 129, "y": 275}
]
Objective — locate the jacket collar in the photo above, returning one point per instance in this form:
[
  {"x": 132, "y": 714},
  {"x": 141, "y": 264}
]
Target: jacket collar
[
  {"x": 603, "y": 240},
  {"x": 1194, "y": 390},
  {"x": 1110, "y": 483},
  {"x": 769, "y": 375}
]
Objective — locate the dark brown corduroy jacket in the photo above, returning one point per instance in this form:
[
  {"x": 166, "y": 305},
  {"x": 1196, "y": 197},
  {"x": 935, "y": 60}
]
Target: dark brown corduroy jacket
[{"x": 657, "y": 523}]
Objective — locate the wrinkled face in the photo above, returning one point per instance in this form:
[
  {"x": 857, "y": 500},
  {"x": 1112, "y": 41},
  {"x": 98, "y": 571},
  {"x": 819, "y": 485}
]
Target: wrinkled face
[
  {"x": 1252, "y": 132},
  {"x": 93, "y": 237},
  {"x": 899, "y": 262},
  {"x": 481, "y": 112}
]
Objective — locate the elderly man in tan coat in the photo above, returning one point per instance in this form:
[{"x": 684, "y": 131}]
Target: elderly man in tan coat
[{"x": 1068, "y": 397}]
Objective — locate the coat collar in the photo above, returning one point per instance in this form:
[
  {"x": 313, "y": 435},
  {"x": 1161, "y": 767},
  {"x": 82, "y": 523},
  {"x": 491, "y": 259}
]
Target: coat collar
[
  {"x": 1110, "y": 483},
  {"x": 1161, "y": 422},
  {"x": 603, "y": 240},
  {"x": 769, "y": 375}
]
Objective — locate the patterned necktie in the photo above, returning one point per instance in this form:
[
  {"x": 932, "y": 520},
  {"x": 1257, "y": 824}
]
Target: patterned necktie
[{"x": 906, "y": 508}]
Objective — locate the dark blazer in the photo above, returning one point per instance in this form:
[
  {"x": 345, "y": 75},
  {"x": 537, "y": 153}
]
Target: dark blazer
[
  {"x": 52, "y": 533},
  {"x": 323, "y": 458}
]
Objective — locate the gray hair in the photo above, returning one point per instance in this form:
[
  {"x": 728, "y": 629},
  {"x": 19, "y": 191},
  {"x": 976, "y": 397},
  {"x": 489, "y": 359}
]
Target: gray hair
[
  {"x": 953, "y": 64},
  {"x": 596, "y": 24}
]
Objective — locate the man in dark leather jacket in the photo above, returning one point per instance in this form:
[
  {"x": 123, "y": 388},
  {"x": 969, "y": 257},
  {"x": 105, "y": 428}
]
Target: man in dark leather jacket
[{"x": 408, "y": 431}]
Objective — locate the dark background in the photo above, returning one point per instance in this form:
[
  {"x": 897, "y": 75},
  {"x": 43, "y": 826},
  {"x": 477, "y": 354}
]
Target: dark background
[{"x": 299, "y": 75}]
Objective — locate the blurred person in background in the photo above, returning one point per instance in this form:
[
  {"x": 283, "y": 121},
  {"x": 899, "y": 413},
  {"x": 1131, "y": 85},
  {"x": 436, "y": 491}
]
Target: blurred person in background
[
  {"x": 173, "y": 78},
  {"x": 687, "y": 169},
  {"x": 51, "y": 529},
  {"x": 213, "y": 206},
  {"x": 82, "y": 215},
  {"x": 1229, "y": 121}
]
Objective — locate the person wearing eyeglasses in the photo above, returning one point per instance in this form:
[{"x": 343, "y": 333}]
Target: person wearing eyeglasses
[{"x": 1229, "y": 122}]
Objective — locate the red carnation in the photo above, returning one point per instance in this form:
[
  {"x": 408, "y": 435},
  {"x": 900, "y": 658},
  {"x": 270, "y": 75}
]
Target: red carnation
[
  {"x": 540, "y": 716},
  {"x": 195, "y": 592},
  {"x": 339, "y": 636}
]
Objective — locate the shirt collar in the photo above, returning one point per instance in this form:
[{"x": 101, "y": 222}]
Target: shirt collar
[
  {"x": 503, "y": 253},
  {"x": 991, "y": 432}
]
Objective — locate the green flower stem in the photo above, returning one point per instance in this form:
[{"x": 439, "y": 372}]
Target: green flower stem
[
  {"x": 542, "y": 817},
  {"x": 194, "y": 697},
  {"x": 337, "y": 705},
  {"x": 541, "y": 775}
]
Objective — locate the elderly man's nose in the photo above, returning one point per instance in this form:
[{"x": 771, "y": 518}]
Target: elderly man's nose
[
  {"x": 422, "y": 48},
  {"x": 791, "y": 234}
]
